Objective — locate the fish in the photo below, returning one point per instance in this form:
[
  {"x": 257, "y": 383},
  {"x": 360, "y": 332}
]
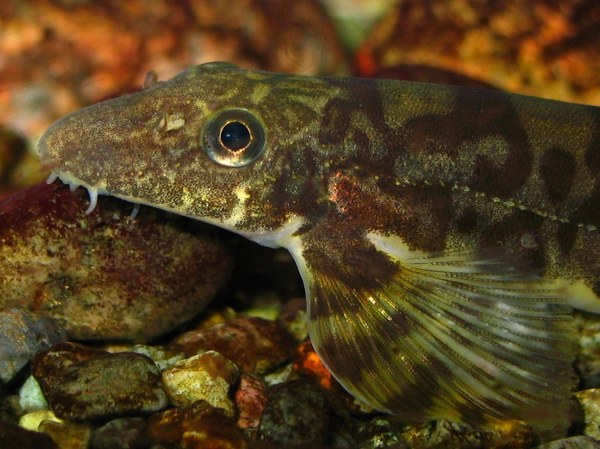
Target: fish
[{"x": 443, "y": 234}]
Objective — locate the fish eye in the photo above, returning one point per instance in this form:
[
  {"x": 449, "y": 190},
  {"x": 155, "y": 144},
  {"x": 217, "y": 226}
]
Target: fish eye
[{"x": 234, "y": 137}]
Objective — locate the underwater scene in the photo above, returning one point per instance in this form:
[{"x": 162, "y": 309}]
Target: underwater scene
[{"x": 343, "y": 224}]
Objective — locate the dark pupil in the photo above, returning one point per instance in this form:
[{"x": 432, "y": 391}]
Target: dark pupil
[{"x": 235, "y": 136}]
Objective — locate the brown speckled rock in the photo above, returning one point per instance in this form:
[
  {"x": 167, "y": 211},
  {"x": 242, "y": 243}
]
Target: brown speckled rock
[
  {"x": 197, "y": 426},
  {"x": 67, "y": 435},
  {"x": 98, "y": 386},
  {"x": 297, "y": 413},
  {"x": 255, "y": 345},
  {"x": 104, "y": 275},
  {"x": 22, "y": 335},
  {"x": 207, "y": 376}
]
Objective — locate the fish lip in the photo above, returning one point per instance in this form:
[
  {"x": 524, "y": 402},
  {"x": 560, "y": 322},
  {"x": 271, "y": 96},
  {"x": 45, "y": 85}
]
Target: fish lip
[{"x": 74, "y": 182}]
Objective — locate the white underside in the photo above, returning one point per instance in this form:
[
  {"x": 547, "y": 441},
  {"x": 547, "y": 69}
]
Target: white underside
[{"x": 282, "y": 237}]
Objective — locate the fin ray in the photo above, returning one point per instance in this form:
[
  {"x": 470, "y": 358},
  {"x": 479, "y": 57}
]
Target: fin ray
[{"x": 451, "y": 336}]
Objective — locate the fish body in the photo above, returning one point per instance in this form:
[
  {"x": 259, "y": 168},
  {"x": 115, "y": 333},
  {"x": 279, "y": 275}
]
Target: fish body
[{"x": 443, "y": 233}]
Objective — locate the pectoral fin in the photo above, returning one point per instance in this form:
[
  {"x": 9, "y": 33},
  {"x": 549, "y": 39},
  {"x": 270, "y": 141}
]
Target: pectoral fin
[{"x": 474, "y": 339}]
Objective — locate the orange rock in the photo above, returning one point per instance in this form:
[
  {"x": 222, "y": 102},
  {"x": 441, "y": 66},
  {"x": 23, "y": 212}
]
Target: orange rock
[{"x": 543, "y": 48}]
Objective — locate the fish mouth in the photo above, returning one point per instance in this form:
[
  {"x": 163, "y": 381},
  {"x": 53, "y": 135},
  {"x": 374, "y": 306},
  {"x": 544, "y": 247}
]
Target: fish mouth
[
  {"x": 93, "y": 191},
  {"x": 74, "y": 183}
]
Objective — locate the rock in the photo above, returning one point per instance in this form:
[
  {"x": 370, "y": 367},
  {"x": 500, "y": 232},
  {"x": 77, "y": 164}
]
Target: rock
[
  {"x": 297, "y": 413},
  {"x": 536, "y": 48},
  {"x": 105, "y": 275},
  {"x": 47, "y": 78},
  {"x": 31, "y": 396},
  {"x": 22, "y": 335},
  {"x": 518, "y": 435},
  {"x": 51, "y": 364},
  {"x": 254, "y": 344},
  {"x": 444, "y": 434},
  {"x": 10, "y": 409},
  {"x": 308, "y": 363},
  {"x": 587, "y": 362},
  {"x": 98, "y": 386},
  {"x": 10, "y": 434},
  {"x": 380, "y": 432},
  {"x": 18, "y": 167},
  {"x": 122, "y": 433},
  {"x": 578, "y": 442},
  {"x": 449, "y": 435},
  {"x": 32, "y": 420},
  {"x": 250, "y": 401},
  {"x": 163, "y": 357},
  {"x": 197, "y": 426},
  {"x": 293, "y": 317},
  {"x": 67, "y": 435},
  {"x": 207, "y": 376},
  {"x": 590, "y": 402}
]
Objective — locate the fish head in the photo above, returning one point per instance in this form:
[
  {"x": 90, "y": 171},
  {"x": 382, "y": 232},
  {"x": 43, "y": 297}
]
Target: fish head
[{"x": 216, "y": 143}]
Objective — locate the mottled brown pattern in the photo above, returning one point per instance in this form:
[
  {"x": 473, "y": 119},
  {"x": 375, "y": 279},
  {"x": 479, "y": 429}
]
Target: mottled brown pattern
[
  {"x": 499, "y": 178},
  {"x": 373, "y": 185},
  {"x": 339, "y": 114},
  {"x": 589, "y": 211},
  {"x": 557, "y": 169},
  {"x": 322, "y": 245},
  {"x": 466, "y": 223}
]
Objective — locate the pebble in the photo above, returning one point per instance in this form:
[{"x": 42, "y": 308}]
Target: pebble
[
  {"x": 587, "y": 361},
  {"x": 577, "y": 442},
  {"x": 98, "y": 386},
  {"x": 297, "y": 413},
  {"x": 293, "y": 317},
  {"x": 163, "y": 357},
  {"x": 18, "y": 167},
  {"x": 27, "y": 439},
  {"x": 32, "y": 420},
  {"x": 250, "y": 400},
  {"x": 67, "y": 435},
  {"x": 197, "y": 426},
  {"x": 121, "y": 433},
  {"x": 308, "y": 363},
  {"x": 105, "y": 276},
  {"x": 207, "y": 376},
  {"x": 590, "y": 402},
  {"x": 380, "y": 432},
  {"x": 254, "y": 344},
  {"x": 22, "y": 335},
  {"x": 31, "y": 396},
  {"x": 444, "y": 434}
]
